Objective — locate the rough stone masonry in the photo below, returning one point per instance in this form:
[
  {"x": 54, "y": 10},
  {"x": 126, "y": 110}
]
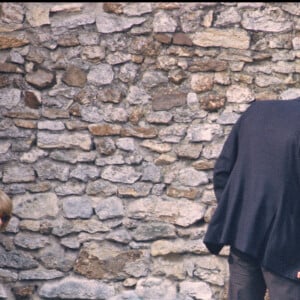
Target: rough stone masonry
[{"x": 112, "y": 116}]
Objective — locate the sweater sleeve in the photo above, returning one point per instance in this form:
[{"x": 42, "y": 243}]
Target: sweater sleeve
[{"x": 226, "y": 161}]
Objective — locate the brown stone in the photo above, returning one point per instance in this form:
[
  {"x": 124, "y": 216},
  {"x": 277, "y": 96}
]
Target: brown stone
[
  {"x": 25, "y": 124},
  {"x": 261, "y": 56},
  {"x": 138, "y": 59},
  {"x": 74, "y": 76},
  {"x": 136, "y": 114},
  {"x": 105, "y": 146},
  {"x": 212, "y": 102},
  {"x": 23, "y": 291},
  {"x": 113, "y": 7},
  {"x": 55, "y": 113},
  {"x": 177, "y": 76},
  {"x": 190, "y": 193},
  {"x": 68, "y": 41},
  {"x": 4, "y": 81},
  {"x": 104, "y": 129},
  {"x": 32, "y": 100},
  {"x": 83, "y": 97},
  {"x": 74, "y": 110},
  {"x": 166, "y": 101},
  {"x": 266, "y": 95},
  {"x": 203, "y": 165},
  {"x": 182, "y": 39},
  {"x": 39, "y": 187},
  {"x": 110, "y": 94},
  {"x": 10, "y": 42},
  {"x": 202, "y": 82},
  {"x": 33, "y": 115},
  {"x": 76, "y": 125},
  {"x": 140, "y": 132},
  {"x": 163, "y": 38},
  {"x": 104, "y": 261},
  {"x": 10, "y": 68},
  {"x": 167, "y": 5},
  {"x": 207, "y": 65},
  {"x": 35, "y": 55},
  {"x": 165, "y": 159},
  {"x": 145, "y": 46},
  {"x": 41, "y": 79}
]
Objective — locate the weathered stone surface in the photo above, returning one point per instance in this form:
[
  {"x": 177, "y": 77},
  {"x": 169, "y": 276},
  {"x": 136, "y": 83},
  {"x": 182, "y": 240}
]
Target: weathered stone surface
[
  {"x": 17, "y": 259},
  {"x": 10, "y": 68},
  {"x": 36, "y": 206},
  {"x": 75, "y": 288},
  {"x": 104, "y": 130},
  {"x": 137, "y": 9},
  {"x": 136, "y": 190},
  {"x": 107, "y": 23},
  {"x": 168, "y": 101},
  {"x": 24, "y": 291},
  {"x": 108, "y": 208},
  {"x": 153, "y": 231},
  {"x": 159, "y": 117},
  {"x": 212, "y": 102},
  {"x": 10, "y": 97},
  {"x": 173, "y": 133},
  {"x": 20, "y": 173},
  {"x": 123, "y": 174},
  {"x": 263, "y": 20},
  {"x": 166, "y": 247},
  {"x": 110, "y": 139},
  {"x": 202, "y": 82},
  {"x": 53, "y": 140},
  {"x": 69, "y": 7},
  {"x": 41, "y": 79},
  {"x": 208, "y": 65},
  {"x": 203, "y": 132},
  {"x": 37, "y": 15},
  {"x": 189, "y": 193},
  {"x": 77, "y": 207},
  {"x": 12, "y": 12},
  {"x": 104, "y": 261},
  {"x": 32, "y": 99},
  {"x": 182, "y": 39},
  {"x": 197, "y": 290},
  {"x": 85, "y": 172},
  {"x": 140, "y": 132},
  {"x": 7, "y": 42},
  {"x": 191, "y": 151},
  {"x": 227, "y": 38},
  {"x": 74, "y": 76},
  {"x": 292, "y": 93},
  {"x": 101, "y": 74},
  {"x": 239, "y": 94},
  {"x": 111, "y": 7},
  {"x": 73, "y": 21},
  {"x": 156, "y": 288},
  {"x": 180, "y": 212},
  {"x": 31, "y": 241},
  {"x": 40, "y": 274},
  {"x": 152, "y": 79},
  {"x": 163, "y": 22}
]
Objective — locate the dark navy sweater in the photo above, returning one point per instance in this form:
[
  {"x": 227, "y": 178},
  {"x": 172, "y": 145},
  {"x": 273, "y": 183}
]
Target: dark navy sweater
[{"x": 257, "y": 186}]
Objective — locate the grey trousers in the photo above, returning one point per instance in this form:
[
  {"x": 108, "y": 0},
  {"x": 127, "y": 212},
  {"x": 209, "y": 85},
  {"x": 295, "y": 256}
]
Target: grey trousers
[{"x": 249, "y": 281}]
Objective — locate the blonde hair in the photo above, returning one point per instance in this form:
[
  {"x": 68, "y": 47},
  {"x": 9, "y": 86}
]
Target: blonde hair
[{"x": 6, "y": 207}]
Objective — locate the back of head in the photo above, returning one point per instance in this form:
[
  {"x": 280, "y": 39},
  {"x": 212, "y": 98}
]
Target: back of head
[{"x": 6, "y": 207}]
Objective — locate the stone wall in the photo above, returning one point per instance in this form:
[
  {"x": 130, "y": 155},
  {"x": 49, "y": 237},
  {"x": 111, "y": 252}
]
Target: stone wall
[{"x": 112, "y": 116}]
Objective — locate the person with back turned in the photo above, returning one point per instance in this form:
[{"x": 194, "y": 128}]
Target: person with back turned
[{"x": 256, "y": 181}]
